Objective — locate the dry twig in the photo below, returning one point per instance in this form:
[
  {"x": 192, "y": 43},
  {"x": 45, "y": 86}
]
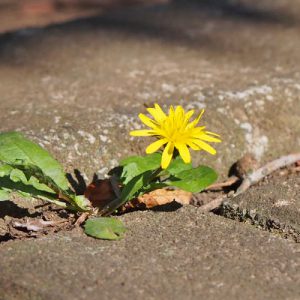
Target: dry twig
[
  {"x": 262, "y": 172},
  {"x": 35, "y": 225},
  {"x": 82, "y": 218},
  {"x": 253, "y": 178},
  {"x": 212, "y": 204},
  {"x": 230, "y": 181}
]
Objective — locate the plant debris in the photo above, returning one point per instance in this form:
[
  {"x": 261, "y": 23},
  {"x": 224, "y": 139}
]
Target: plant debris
[
  {"x": 44, "y": 221},
  {"x": 157, "y": 198}
]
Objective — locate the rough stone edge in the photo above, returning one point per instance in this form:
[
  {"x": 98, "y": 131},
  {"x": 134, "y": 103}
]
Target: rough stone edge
[{"x": 235, "y": 212}]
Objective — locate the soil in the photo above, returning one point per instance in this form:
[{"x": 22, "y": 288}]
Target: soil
[{"x": 41, "y": 221}]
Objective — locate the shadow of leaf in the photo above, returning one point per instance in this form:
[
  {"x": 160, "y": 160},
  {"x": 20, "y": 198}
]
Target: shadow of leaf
[
  {"x": 168, "y": 207},
  {"x": 78, "y": 183},
  {"x": 9, "y": 208}
]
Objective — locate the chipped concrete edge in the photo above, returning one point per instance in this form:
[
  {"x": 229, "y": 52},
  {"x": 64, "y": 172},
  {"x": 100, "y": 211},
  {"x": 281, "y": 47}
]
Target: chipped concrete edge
[{"x": 251, "y": 216}]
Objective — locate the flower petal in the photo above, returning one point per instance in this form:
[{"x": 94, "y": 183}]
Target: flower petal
[
  {"x": 157, "y": 113},
  {"x": 176, "y": 129},
  {"x": 143, "y": 132},
  {"x": 205, "y": 146},
  {"x": 184, "y": 152},
  {"x": 179, "y": 111},
  {"x": 212, "y": 133},
  {"x": 207, "y": 138},
  {"x": 171, "y": 112},
  {"x": 196, "y": 121},
  {"x": 167, "y": 155},
  {"x": 157, "y": 117},
  {"x": 187, "y": 116},
  {"x": 193, "y": 146},
  {"x": 155, "y": 146},
  {"x": 147, "y": 121}
]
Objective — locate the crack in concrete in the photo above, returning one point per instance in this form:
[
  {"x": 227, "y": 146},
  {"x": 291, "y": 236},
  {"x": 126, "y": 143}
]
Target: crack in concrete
[{"x": 263, "y": 222}]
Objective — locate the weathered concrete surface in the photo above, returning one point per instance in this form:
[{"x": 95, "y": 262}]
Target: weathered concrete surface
[
  {"x": 77, "y": 88},
  {"x": 177, "y": 255},
  {"x": 273, "y": 206}
]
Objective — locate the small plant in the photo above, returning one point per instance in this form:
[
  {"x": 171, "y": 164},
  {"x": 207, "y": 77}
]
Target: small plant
[{"x": 29, "y": 170}]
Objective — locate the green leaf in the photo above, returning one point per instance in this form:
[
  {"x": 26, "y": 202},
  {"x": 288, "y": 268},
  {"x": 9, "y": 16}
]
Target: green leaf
[
  {"x": 5, "y": 170},
  {"x": 39, "y": 186},
  {"x": 81, "y": 202},
  {"x": 17, "y": 182},
  {"x": 104, "y": 228},
  {"x": 15, "y": 149},
  {"x": 23, "y": 189},
  {"x": 28, "y": 169},
  {"x": 151, "y": 161},
  {"x": 129, "y": 171},
  {"x": 153, "y": 186},
  {"x": 41, "y": 181},
  {"x": 131, "y": 190},
  {"x": 135, "y": 186},
  {"x": 17, "y": 175},
  {"x": 48, "y": 198},
  {"x": 178, "y": 165},
  {"x": 136, "y": 165},
  {"x": 194, "y": 180},
  {"x": 4, "y": 195}
]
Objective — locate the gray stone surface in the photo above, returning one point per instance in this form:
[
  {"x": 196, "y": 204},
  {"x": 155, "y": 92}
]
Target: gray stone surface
[
  {"x": 77, "y": 88},
  {"x": 80, "y": 85},
  {"x": 177, "y": 255},
  {"x": 273, "y": 206}
]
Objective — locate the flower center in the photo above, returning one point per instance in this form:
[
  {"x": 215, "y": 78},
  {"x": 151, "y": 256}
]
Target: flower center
[{"x": 174, "y": 131}]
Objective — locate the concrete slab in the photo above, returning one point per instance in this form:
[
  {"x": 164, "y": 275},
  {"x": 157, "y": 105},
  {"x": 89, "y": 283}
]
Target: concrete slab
[
  {"x": 273, "y": 206},
  {"x": 77, "y": 87},
  {"x": 177, "y": 255}
]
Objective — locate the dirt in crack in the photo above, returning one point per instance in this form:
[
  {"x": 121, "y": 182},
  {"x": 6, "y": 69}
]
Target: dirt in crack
[
  {"x": 272, "y": 205},
  {"x": 44, "y": 220},
  {"x": 234, "y": 212}
]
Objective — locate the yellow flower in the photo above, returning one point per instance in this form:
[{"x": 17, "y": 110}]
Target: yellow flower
[{"x": 175, "y": 131}]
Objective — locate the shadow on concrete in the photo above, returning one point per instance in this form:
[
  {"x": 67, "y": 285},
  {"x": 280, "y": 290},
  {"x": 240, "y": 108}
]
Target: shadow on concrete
[
  {"x": 168, "y": 207},
  {"x": 237, "y": 10},
  {"x": 8, "y": 208},
  {"x": 166, "y": 22},
  {"x": 77, "y": 182}
]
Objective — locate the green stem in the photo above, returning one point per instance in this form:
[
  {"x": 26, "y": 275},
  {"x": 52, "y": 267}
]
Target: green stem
[
  {"x": 155, "y": 174},
  {"x": 116, "y": 203}
]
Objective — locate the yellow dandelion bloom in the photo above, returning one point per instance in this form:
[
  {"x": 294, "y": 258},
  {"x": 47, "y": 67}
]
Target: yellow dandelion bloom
[{"x": 175, "y": 131}]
